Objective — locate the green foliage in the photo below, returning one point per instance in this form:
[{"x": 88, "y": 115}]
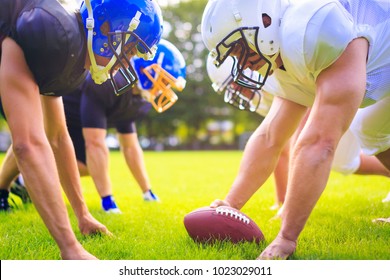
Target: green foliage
[{"x": 339, "y": 228}]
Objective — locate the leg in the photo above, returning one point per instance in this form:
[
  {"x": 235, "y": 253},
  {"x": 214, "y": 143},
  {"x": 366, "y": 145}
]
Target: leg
[
  {"x": 8, "y": 171},
  {"x": 97, "y": 155},
  {"x": 98, "y": 159},
  {"x": 372, "y": 126},
  {"x": 133, "y": 153},
  {"x": 384, "y": 158}
]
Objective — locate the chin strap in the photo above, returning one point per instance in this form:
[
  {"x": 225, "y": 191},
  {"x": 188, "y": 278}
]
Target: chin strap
[{"x": 99, "y": 73}]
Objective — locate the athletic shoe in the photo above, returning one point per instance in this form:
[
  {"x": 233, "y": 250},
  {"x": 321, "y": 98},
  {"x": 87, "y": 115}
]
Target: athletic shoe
[
  {"x": 109, "y": 205},
  {"x": 150, "y": 196},
  {"x": 278, "y": 215},
  {"x": 21, "y": 191},
  {"x": 4, "y": 206},
  {"x": 387, "y": 198}
]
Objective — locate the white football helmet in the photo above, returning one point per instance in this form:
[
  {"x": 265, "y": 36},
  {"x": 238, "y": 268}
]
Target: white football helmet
[
  {"x": 256, "y": 22},
  {"x": 234, "y": 94}
]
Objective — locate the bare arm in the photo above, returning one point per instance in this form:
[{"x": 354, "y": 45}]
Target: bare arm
[
  {"x": 340, "y": 90},
  {"x": 64, "y": 153},
  {"x": 263, "y": 149},
  {"x": 31, "y": 148}
]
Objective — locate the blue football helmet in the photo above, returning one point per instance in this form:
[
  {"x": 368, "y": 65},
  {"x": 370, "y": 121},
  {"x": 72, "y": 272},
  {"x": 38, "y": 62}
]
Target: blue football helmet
[
  {"x": 120, "y": 29},
  {"x": 158, "y": 78}
]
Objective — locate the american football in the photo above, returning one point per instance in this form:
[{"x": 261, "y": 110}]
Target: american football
[{"x": 208, "y": 224}]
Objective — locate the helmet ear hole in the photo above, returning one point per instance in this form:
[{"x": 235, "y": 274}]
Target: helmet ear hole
[
  {"x": 267, "y": 21},
  {"x": 105, "y": 28}
]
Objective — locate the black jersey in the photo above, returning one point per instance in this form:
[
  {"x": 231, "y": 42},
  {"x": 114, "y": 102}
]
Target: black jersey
[{"x": 53, "y": 41}]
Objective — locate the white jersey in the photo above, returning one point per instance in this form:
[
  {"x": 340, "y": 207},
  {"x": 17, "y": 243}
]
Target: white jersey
[{"x": 315, "y": 33}]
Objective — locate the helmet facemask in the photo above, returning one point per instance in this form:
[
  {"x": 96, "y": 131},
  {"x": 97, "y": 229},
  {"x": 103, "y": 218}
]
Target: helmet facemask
[
  {"x": 162, "y": 95},
  {"x": 234, "y": 95},
  {"x": 123, "y": 66},
  {"x": 238, "y": 40}
]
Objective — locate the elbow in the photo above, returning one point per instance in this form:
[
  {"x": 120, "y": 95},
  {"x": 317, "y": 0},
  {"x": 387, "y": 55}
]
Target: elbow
[
  {"x": 317, "y": 150},
  {"x": 22, "y": 150}
]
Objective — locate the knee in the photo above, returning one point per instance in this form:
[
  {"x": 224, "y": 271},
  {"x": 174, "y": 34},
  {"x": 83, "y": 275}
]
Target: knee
[{"x": 95, "y": 144}]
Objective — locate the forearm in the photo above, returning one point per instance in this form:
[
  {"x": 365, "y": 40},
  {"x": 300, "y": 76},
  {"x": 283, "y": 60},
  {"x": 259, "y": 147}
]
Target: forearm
[
  {"x": 339, "y": 91},
  {"x": 263, "y": 150},
  {"x": 309, "y": 173},
  {"x": 68, "y": 172},
  {"x": 258, "y": 162}
]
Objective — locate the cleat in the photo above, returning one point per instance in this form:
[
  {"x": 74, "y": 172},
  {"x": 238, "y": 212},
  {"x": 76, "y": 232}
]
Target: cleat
[
  {"x": 4, "y": 205},
  {"x": 150, "y": 196},
  {"x": 21, "y": 191},
  {"x": 113, "y": 211},
  {"x": 109, "y": 205},
  {"x": 387, "y": 198}
]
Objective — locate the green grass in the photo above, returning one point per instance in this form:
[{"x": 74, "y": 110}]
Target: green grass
[{"x": 339, "y": 228}]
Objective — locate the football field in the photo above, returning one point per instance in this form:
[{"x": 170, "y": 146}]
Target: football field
[{"x": 340, "y": 227}]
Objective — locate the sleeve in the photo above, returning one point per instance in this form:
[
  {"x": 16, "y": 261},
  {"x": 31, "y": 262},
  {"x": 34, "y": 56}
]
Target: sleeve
[
  {"x": 44, "y": 44},
  {"x": 328, "y": 33}
]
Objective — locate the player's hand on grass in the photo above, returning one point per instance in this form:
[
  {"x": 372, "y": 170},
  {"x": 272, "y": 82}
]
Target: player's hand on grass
[
  {"x": 76, "y": 253},
  {"x": 219, "y": 202},
  {"x": 280, "y": 249},
  {"x": 88, "y": 225}
]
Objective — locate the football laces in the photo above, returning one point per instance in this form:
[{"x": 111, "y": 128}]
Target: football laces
[{"x": 233, "y": 214}]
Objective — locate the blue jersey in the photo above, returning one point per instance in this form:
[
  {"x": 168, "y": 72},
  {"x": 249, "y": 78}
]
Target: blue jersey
[{"x": 52, "y": 38}]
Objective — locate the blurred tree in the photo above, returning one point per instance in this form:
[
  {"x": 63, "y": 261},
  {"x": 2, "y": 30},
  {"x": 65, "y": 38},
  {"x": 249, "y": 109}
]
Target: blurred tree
[{"x": 198, "y": 104}]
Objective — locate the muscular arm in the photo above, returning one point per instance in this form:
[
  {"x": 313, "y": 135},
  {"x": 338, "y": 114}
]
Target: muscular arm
[
  {"x": 134, "y": 158},
  {"x": 32, "y": 150},
  {"x": 340, "y": 90},
  {"x": 263, "y": 148}
]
